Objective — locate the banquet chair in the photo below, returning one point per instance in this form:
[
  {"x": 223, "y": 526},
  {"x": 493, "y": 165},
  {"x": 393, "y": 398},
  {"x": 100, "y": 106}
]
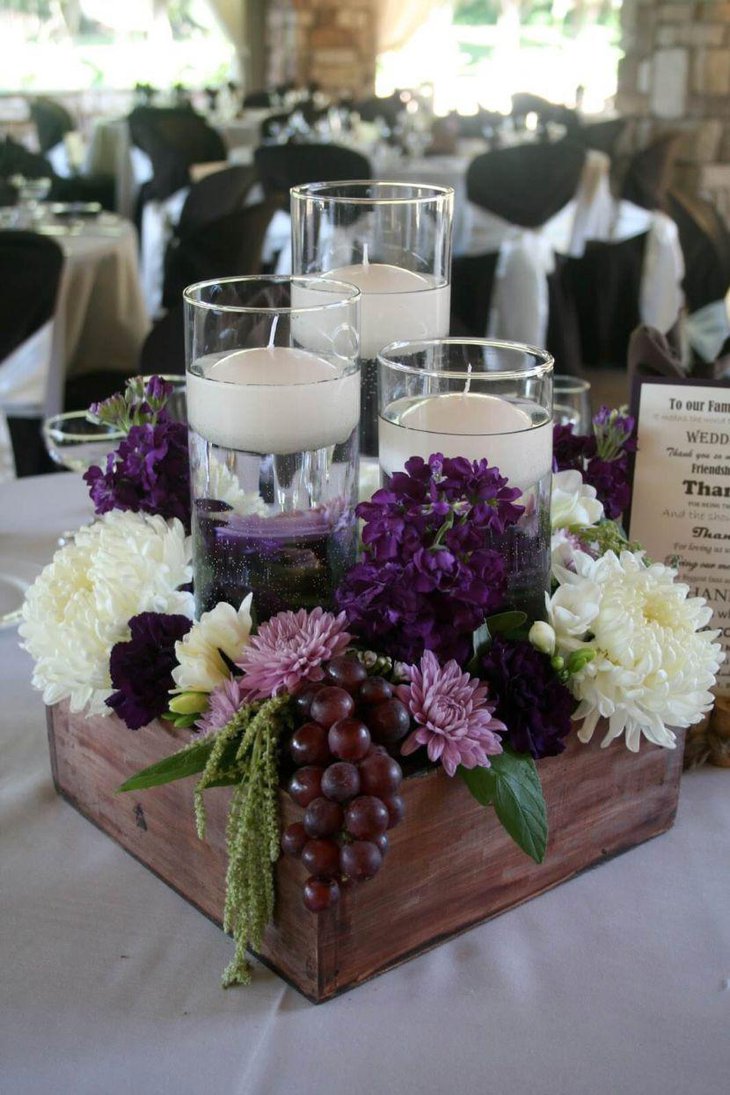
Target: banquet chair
[
  {"x": 508, "y": 286},
  {"x": 705, "y": 242},
  {"x": 16, "y": 159},
  {"x": 648, "y": 173},
  {"x": 603, "y": 136},
  {"x": 258, "y": 100},
  {"x": 174, "y": 138},
  {"x": 280, "y": 167},
  {"x": 217, "y": 195},
  {"x": 51, "y": 120},
  {"x": 31, "y": 266},
  {"x": 228, "y": 246},
  {"x": 271, "y": 127}
]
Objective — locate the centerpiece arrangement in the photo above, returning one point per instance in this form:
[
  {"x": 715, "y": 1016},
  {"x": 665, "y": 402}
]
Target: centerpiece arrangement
[{"x": 419, "y": 688}]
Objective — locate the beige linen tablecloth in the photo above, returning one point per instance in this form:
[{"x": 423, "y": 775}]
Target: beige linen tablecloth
[{"x": 618, "y": 981}]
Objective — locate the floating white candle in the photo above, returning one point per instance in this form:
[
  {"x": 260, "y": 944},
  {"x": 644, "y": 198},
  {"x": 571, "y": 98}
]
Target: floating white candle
[
  {"x": 516, "y": 438},
  {"x": 395, "y": 304},
  {"x": 272, "y": 399}
]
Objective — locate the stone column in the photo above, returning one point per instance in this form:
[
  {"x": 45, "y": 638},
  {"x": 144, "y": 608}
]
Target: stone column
[
  {"x": 676, "y": 76},
  {"x": 330, "y": 42}
]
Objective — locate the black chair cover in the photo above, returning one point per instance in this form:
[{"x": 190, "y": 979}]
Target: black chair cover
[
  {"x": 226, "y": 247},
  {"x": 173, "y": 138},
  {"x": 258, "y": 100},
  {"x": 15, "y": 159},
  {"x": 222, "y": 192},
  {"x": 648, "y": 176},
  {"x": 163, "y": 350},
  {"x": 602, "y": 136},
  {"x": 705, "y": 242},
  {"x": 30, "y": 271},
  {"x": 271, "y": 126},
  {"x": 51, "y": 121},
  {"x": 526, "y": 184},
  {"x": 282, "y": 166},
  {"x": 604, "y": 285}
]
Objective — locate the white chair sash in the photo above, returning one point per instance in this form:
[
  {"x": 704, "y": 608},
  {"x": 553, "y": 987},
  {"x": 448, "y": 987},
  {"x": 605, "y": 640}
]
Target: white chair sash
[
  {"x": 661, "y": 298},
  {"x": 707, "y": 329},
  {"x": 24, "y": 373}
]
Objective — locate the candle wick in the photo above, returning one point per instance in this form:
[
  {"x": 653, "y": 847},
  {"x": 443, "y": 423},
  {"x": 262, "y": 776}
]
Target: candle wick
[
  {"x": 365, "y": 259},
  {"x": 272, "y": 334},
  {"x": 467, "y": 385}
]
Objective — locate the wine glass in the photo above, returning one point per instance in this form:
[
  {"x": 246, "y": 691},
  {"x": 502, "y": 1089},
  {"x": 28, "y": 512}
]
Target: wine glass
[
  {"x": 75, "y": 441},
  {"x": 572, "y": 403}
]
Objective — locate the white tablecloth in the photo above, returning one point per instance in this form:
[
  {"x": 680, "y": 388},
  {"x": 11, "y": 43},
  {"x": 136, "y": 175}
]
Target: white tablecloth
[{"x": 618, "y": 981}]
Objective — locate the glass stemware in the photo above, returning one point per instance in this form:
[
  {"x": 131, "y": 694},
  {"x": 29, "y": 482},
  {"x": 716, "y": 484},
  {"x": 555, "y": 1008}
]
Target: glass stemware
[
  {"x": 572, "y": 403},
  {"x": 76, "y": 442}
]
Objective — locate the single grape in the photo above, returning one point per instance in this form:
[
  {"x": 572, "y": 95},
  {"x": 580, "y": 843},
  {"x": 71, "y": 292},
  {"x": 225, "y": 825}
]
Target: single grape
[
  {"x": 308, "y": 745},
  {"x": 321, "y": 857},
  {"x": 293, "y": 839},
  {"x": 346, "y": 672},
  {"x": 389, "y": 721},
  {"x": 360, "y": 860},
  {"x": 396, "y": 808},
  {"x": 303, "y": 698},
  {"x": 306, "y": 784},
  {"x": 331, "y": 704},
  {"x": 349, "y": 739},
  {"x": 375, "y": 690},
  {"x": 320, "y": 894},
  {"x": 382, "y": 842},
  {"x": 380, "y": 775},
  {"x": 323, "y": 818},
  {"x": 341, "y": 781},
  {"x": 366, "y": 817}
]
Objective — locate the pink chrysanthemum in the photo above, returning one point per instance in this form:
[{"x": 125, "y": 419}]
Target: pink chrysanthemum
[
  {"x": 455, "y": 720},
  {"x": 223, "y": 703},
  {"x": 290, "y": 649}
]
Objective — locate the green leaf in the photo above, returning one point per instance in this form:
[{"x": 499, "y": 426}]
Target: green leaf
[
  {"x": 505, "y": 621},
  {"x": 178, "y": 766},
  {"x": 512, "y": 785}
]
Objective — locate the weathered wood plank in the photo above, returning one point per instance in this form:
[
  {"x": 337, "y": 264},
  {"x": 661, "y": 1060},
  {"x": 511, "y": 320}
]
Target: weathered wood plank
[{"x": 450, "y": 864}]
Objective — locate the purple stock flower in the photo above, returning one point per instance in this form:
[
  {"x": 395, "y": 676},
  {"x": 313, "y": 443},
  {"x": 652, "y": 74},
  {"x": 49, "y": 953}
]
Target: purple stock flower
[
  {"x": 141, "y": 669},
  {"x": 148, "y": 473},
  {"x": 530, "y": 700},
  {"x": 601, "y": 458},
  {"x": 430, "y": 572}
]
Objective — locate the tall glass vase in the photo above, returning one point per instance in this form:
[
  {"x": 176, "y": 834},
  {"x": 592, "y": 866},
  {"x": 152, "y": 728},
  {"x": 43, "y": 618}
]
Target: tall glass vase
[
  {"x": 479, "y": 400},
  {"x": 273, "y": 403},
  {"x": 391, "y": 240}
]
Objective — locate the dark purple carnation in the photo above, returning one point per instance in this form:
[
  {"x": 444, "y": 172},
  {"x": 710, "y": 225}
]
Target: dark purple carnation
[
  {"x": 571, "y": 450},
  {"x": 611, "y": 480},
  {"x": 529, "y": 699},
  {"x": 141, "y": 669},
  {"x": 148, "y": 473},
  {"x": 431, "y": 571}
]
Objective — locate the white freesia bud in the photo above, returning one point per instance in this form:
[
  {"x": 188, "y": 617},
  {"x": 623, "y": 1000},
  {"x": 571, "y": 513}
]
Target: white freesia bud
[
  {"x": 573, "y": 502},
  {"x": 542, "y": 637},
  {"x": 200, "y": 665}
]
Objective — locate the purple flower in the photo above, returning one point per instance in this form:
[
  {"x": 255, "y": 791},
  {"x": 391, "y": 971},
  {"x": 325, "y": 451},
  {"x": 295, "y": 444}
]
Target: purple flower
[
  {"x": 223, "y": 703},
  {"x": 601, "y": 458},
  {"x": 141, "y": 669},
  {"x": 432, "y": 569},
  {"x": 535, "y": 706},
  {"x": 454, "y": 720},
  {"x": 148, "y": 473},
  {"x": 290, "y": 649}
]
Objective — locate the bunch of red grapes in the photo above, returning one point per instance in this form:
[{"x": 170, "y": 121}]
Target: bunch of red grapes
[{"x": 345, "y": 778}]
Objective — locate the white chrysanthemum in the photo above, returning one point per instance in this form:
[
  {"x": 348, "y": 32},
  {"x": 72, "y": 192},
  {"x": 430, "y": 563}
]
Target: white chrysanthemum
[
  {"x": 224, "y": 486},
  {"x": 80, "y": 604},
  {"x": 573, "y": 502},
  {"x": 200, "y": 665},
  {"x": 654, "y": 666}
]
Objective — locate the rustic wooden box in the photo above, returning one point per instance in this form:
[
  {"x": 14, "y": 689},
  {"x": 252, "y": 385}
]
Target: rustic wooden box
[{"x": 450, "y": 864}]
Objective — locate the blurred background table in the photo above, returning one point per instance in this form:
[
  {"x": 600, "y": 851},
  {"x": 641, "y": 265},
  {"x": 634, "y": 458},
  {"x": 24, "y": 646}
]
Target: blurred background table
[{"x": 616, "y": 981}]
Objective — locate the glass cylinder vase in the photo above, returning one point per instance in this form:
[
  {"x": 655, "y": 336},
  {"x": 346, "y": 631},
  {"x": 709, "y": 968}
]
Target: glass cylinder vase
[
  {"x": 393, "y": 241},
  {"x": 480, "y": 400},
  {"x": 273, "y": 403}
]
